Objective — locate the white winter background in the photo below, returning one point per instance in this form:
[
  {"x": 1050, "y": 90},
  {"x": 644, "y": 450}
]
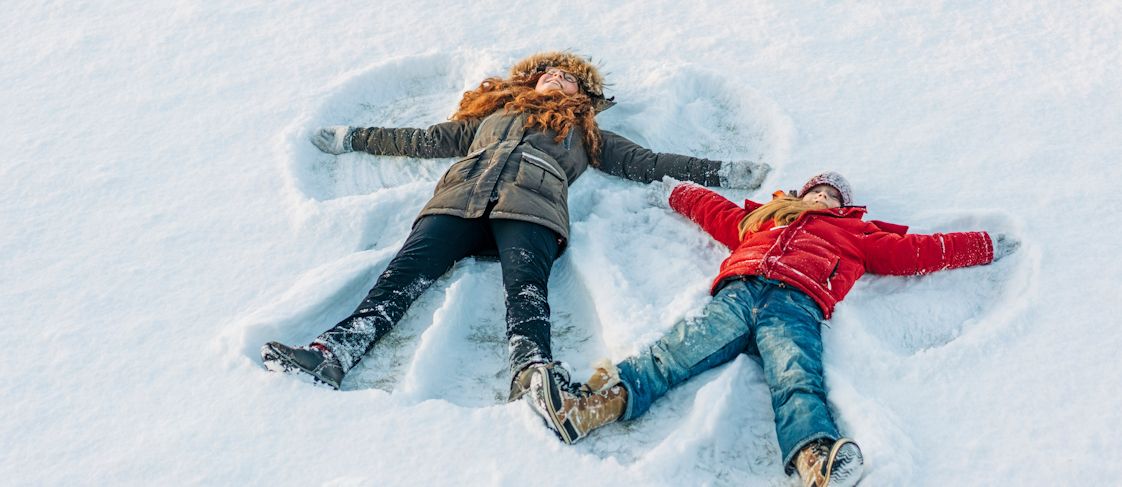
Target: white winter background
[{"x": 162, "y": 215}]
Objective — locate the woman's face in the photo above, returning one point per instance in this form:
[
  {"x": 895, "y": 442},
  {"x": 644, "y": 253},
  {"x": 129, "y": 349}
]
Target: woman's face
[
  {"x": 556, "y": 79},
  {"x": 824, "y": 194}
]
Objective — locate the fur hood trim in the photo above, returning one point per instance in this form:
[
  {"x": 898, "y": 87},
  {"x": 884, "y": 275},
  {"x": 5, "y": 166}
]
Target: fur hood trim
[{"x": 591, "y": 81}]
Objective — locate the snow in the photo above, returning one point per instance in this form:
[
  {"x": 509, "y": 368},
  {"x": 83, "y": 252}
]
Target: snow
[{"x": 163, "y": 216}]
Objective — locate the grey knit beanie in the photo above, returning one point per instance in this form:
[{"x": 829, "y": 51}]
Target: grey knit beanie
[{"x": 833, "y": 180}]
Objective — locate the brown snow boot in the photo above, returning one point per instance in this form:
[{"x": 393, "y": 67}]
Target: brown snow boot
[
  {"x": 604, "y": 377},
  {"x": 573, "y": 412},
  {"x": 823, "y": 463},
  {"x": 520, "y": 383}
]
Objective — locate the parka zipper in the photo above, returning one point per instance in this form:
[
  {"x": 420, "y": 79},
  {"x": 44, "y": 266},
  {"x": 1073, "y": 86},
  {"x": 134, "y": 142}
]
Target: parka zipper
[{"x": 493, "y": 196}]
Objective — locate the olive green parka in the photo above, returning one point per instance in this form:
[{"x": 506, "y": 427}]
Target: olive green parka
[{"x": 524, "y": 172}]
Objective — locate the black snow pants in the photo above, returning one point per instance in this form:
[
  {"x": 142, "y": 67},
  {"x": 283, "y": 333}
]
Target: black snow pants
[{"x": 526, "y": 252}]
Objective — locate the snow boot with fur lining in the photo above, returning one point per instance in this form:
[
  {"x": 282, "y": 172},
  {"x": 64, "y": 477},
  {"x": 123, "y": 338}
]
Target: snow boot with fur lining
[
  {"x": 312, "y": 362},
  {"x": 520, "y": 383},
  {"x": 574, "y": 411},
  {"x": 821, "y": 464}
]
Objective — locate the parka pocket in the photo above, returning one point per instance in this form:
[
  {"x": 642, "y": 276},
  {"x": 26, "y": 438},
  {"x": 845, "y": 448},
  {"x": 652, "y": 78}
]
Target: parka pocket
[
  {"x": 462, "y": 169},
  {"x": 538, "y": 175}
]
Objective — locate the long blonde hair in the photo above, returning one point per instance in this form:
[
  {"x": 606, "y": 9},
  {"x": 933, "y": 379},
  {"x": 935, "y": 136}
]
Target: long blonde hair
[
  {"x": 550, "y": 111},
  {"x": 782, "y": 209}
]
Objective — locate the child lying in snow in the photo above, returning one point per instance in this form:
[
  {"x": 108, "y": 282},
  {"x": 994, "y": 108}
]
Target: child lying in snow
[{"x": 792, "y": 260}]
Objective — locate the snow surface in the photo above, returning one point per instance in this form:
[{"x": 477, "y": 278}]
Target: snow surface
[{"x": 162, "y": 216}]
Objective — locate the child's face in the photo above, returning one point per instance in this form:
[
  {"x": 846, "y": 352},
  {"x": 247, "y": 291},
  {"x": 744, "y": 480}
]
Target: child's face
[{"x": 825, "y": 195}]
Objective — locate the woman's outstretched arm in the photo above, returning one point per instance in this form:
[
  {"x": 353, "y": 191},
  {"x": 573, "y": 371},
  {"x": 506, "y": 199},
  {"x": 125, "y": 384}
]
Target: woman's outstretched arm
[
  {"x": 447, "y": 139},
  {"x": 624, "y": 158}
]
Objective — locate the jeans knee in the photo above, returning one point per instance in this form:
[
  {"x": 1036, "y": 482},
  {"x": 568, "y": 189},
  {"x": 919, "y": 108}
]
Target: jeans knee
[{"x": 799, "y": 380}]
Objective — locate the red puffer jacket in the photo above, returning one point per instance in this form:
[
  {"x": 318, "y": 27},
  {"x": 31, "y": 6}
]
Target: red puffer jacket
[{"x": 823, "y": 252}]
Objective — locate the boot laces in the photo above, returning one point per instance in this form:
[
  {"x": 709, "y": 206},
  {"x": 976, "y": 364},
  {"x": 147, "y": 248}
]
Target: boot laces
[
  {"x": 820, "y": 448},
  {"x": 561, "y": 377}
]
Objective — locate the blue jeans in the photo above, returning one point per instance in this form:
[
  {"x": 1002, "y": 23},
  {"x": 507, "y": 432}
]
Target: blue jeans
[{"x": 761, "y": 317}]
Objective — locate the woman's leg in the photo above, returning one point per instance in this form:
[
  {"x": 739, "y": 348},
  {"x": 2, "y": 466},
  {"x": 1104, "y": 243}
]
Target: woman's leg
[
  {"x": 691, "y": 347},
  {"x": 434, "y": 245},
  {"x": 526, "y": 252},
  {"x": 789, "y": 341}
]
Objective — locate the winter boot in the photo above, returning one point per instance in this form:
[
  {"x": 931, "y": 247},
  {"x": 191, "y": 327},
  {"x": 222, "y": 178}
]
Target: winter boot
[
  {"x": 822, "y": 464},
  {"x": 313, "y": 362},
  {"x": 604, "y": 377},
  {"x": 574, "y": 411},
  {"x": 520, "y": 385}
]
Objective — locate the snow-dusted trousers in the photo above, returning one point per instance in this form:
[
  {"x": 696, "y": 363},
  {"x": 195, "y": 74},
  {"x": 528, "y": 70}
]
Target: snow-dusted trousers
[
  {"x": 764, "y": 318},
  {"x": 526, "y": 252}
]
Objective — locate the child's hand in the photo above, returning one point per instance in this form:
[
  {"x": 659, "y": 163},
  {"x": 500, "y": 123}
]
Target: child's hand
[
  {"x": 1003, "y": 245},
  {"x": 658, "y": 192}
]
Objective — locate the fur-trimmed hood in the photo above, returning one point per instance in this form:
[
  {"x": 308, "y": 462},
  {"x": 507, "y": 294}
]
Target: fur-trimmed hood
[{"x": 588, "y": 75}]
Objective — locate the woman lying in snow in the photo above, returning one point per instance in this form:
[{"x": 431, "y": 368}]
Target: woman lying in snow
[
  {"x": 523, "y": 140},
  {"x": 792, "y": 260}
]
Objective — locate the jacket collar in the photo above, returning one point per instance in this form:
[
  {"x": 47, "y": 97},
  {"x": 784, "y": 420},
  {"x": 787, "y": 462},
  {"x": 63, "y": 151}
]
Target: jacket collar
[{"x": 843, "y": 212}]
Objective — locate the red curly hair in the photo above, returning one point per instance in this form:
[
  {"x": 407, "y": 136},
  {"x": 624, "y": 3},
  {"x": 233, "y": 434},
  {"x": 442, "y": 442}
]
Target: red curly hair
[{"x": 549, "y": 111}]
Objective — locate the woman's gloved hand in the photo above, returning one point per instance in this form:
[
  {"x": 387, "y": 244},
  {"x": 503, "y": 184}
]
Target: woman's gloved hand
[
  {"x": 743, "y": 174},
  {"x": 335, "y": 139}
]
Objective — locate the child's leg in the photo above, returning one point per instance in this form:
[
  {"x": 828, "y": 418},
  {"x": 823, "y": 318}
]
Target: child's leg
[
  {"x": 436, "y": 242},
  {"x": 789, "y": 340},
  {"x": 690, "y": 348}
]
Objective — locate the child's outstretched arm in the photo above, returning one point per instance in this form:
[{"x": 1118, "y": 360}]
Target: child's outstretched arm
[
  {"x": 714, "y": 213},
  {"x": 892, "y": 253}
]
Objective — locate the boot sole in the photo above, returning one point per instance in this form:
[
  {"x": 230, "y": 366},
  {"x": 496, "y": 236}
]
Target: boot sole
[
  {"x": 276, "y": 361},
  {"x": 553, "y": 403},
  {"x": 850, "y": 462}
]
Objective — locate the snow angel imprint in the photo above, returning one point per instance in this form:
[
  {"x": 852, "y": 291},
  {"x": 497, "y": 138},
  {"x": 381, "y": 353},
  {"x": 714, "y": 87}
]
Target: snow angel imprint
[
  {"x": 522, "y": 141},
  {"x": 792, "y": 260}
]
